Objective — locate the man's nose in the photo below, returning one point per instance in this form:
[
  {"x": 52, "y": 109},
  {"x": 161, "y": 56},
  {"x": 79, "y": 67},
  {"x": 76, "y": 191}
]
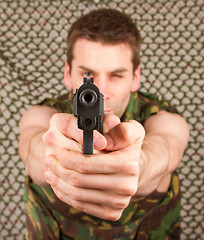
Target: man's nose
[{"x": 101, "y": 83}]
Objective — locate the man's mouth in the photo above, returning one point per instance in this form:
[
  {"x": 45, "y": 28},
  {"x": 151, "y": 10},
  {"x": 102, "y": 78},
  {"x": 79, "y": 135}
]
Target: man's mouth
[{"x": 108, "y": 111}]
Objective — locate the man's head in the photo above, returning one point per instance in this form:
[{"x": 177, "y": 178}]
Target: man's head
[
  {"x": 104, "y": 44},
  {"x": 107, "y": 26}
]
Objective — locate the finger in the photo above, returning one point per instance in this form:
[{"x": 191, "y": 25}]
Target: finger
[
  {"x": 67, "y": 124},
  {"x": 99, "y": 141},
  {"x": 113, "y": 162},
  {"x": 116, "y": 183},
  {"x": 124, "y": 135},
  {"x": 127, "y": 186},
  {"x": 54, "y": 139},
  {"x": 96, "y": 196},
  {"x": 93, "y": 209},
  {"x": 109, "y": 122}
]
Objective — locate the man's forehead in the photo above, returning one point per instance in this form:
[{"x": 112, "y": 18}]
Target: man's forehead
[
  {"x": 86, "y": 42},
  {"x": 87, "y": 54}
]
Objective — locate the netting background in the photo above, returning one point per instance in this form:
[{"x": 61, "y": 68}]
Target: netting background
[{"x": 32, "y": 55}]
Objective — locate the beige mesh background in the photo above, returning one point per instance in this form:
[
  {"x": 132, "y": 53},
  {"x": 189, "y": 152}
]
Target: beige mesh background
[{"x": 32, "y": 55}]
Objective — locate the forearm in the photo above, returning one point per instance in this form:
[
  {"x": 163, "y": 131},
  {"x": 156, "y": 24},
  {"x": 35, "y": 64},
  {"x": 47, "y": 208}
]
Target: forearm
[
  {"x": 32, "y": 153},
  {"x": 155, "y": 161}
]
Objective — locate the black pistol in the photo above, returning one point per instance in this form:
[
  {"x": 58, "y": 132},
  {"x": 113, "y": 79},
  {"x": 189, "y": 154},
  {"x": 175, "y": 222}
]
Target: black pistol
[{"x": 88, "y": 107}]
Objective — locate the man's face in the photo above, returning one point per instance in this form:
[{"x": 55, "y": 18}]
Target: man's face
[{"x": 112, "y": 69}]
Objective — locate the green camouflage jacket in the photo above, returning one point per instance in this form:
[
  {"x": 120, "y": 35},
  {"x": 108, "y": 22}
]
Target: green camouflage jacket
[{"x": 155, "y": 216}]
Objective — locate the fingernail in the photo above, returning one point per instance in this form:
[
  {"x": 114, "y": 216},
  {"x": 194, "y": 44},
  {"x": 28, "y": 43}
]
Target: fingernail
[
  {"x": 96, "y": 141},
  {"x": 99, "y": 142},
  {"x": 47, "y": 175}
]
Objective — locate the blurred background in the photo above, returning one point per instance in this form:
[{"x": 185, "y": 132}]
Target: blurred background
[{"x": 32, "y": 56}]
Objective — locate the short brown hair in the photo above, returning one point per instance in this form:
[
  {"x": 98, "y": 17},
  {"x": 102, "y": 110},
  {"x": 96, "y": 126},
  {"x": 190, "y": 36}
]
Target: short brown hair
[{"x": 107, "y": 26}]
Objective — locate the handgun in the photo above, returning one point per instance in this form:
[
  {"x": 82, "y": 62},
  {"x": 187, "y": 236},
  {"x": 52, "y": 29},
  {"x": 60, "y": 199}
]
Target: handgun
[{"x": 88, "y": 107}]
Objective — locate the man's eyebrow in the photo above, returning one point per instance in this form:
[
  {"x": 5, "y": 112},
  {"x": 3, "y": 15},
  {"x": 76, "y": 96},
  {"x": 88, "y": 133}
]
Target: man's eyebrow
[
  {"x": 117, "y": 70},
  {"x": 86, "y": 68}
]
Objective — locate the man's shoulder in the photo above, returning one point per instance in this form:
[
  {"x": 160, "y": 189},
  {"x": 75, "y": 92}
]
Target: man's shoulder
[
  {"x": 62, "y": 103},
  {"x": 142, "y": 105},
  {"x": 154, "y": 103}
]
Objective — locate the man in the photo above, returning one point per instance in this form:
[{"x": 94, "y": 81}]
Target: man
[{"x": 128, "y": 188}]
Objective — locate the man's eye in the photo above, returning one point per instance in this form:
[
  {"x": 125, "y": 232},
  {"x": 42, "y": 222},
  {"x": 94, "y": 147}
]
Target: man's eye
[
  {"x": 87, "y": 74},
  {"x": 117, "y": 75}
]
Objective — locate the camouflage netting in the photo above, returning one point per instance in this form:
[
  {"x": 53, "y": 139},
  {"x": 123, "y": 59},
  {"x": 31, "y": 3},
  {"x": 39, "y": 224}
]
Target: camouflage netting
[{"x": 32, "y": 55}]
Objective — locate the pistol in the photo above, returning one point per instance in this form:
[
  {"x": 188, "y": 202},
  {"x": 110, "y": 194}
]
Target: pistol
[{"x": 88, "y": 107}]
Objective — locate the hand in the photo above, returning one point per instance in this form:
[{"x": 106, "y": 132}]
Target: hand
[
  {"x": 64, "y": 132},
  {"x": 101, "y": 184}
]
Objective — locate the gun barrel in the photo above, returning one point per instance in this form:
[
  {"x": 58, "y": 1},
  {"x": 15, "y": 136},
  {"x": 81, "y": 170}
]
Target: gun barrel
[{"x": 88, "y": 97}]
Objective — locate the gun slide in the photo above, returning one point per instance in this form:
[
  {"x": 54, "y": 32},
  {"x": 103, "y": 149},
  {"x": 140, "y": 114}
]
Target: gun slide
[{"x": 88, "y": 104}]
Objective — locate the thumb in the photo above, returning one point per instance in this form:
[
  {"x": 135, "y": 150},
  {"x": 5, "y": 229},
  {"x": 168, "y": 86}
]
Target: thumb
[
  {"x": 109, "y": 122},
  {"x": 124, "y": 135}
]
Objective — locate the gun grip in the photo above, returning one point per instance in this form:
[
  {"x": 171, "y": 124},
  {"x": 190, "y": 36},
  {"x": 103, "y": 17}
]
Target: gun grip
[{"x": 87, "y": 142}]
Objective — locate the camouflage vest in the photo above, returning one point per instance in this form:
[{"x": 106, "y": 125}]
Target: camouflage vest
[{"x": 155, "y": 216}]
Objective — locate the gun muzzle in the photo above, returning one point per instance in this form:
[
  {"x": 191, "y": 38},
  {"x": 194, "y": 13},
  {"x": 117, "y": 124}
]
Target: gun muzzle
[{"x": 88, "y": 97}]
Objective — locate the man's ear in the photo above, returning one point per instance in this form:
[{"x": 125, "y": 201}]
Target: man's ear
[
  {"x": 67, "y": 77},
  {"x": 136, "y": 80}
]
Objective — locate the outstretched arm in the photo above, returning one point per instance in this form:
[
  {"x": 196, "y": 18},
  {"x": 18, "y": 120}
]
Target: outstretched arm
[
  {"x": 166, "y": 138},
  {"x": 33, "y": 124}
]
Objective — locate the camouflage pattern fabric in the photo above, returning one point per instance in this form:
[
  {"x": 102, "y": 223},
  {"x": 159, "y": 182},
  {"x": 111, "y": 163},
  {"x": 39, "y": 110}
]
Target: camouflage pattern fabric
[{"x": 155, "y": 216}]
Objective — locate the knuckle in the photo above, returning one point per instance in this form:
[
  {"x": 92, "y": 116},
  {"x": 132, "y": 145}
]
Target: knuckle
[
  {"x": 83, "y": 167},
  {"x": 132, "y": 168},
  {"x": 138, "y": 127},
  {"x": 74, "y": 179},
  {"x": 129, "y": 166},
  {"x": 74, "y": 194},
  {"x": 48, "y": 138},
  {"x": 127, "y": 189},
  {"x": 54, "y": 118},
  {"x": 78, "y": 205},
  {"x": 114, "y": 215},
  {"x": 122, "y": 203}
]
